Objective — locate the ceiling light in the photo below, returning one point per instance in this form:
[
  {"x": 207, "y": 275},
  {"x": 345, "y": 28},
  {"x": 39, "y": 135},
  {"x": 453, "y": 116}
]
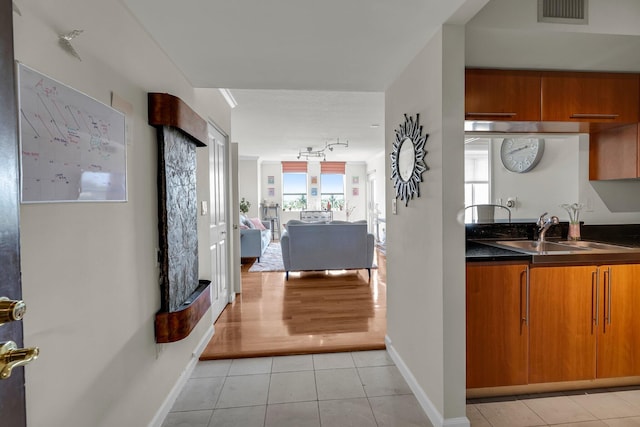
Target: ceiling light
[
  {"x": 312, "y": 153},
  {"x": 226, "y": 93},
  {"x": 320, "y": 153}
]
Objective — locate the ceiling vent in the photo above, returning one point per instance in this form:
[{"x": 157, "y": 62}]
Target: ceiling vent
[{"x": 563, "y": 11}]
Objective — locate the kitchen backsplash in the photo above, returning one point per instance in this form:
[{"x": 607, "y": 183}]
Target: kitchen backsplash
[{"x": 624, "y": 234}]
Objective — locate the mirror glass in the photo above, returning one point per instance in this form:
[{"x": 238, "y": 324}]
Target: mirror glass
[{"x": 406, "y": 159}]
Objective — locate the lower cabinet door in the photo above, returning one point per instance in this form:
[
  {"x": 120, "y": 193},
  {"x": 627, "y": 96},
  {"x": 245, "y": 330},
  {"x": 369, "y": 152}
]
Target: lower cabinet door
[
  {"x": 564, "y": 303},
  {"x": 619, "y": 327},
  {"x": 496, "y": 325}
]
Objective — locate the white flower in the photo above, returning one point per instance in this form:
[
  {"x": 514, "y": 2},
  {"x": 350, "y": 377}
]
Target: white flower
[{"x": 574, "y": 211}]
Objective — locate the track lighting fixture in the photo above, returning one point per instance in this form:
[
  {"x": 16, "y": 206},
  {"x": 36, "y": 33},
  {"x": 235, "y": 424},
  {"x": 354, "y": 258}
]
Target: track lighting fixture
[{"x": 320, "y": 153}]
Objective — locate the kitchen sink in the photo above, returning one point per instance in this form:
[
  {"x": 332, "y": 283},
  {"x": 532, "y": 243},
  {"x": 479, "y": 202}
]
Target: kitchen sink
[
  {"x": 536, "y": 247},
  {"x": 594, "y": 245},
  {"x": 569, "y": 251}
]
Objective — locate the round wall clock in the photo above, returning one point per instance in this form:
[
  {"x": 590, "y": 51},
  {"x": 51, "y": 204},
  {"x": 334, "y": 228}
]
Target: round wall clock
[
  {"x": 407, "y": 159},
  {"x": 521, "y": 154}
]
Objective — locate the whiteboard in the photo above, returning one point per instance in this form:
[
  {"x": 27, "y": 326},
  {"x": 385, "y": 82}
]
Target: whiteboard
[{"x": 72, "y": 147}]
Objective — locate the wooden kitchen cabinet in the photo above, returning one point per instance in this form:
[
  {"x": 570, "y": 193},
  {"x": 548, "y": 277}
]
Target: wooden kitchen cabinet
[
  {"x": 497, "y": 335},
  {"x": 618, "y": 337},
  {"x": 615, "y": 153},
  {"x": 590, "y": 97},
  {"x": 578, "y": 323},
  {"x": 511, "y": 95},
  {"x": 562, "y": 331}
]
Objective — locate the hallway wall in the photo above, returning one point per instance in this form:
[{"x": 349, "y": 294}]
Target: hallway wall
[
  {"x": 425, "y": 243},
  {"x": 90, "y": 278}
]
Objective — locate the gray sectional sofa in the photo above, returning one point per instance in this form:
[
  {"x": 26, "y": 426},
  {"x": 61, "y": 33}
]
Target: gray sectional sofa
[{"x": 337, "y": 245}]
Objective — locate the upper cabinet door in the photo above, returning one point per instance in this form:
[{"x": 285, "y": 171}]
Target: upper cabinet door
[
  {"x": 510, "y": 95},
  {"x": 615, "y": 153},
  {"x": 590, "y": 97}
]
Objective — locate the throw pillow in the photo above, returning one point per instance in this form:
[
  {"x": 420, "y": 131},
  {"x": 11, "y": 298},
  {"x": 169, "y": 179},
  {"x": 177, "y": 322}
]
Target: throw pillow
[
  {"x": 248, "y": 223},
  {"x": 258, "y": 224},
  {"x": 243, "y": 227}
]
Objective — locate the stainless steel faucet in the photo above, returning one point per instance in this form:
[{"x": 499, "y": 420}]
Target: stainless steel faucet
[{"x": 544, "y": 224}]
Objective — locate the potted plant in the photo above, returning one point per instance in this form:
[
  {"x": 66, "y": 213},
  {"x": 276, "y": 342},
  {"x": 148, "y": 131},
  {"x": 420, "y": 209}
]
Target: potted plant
[{"x": 244, "y": 206}]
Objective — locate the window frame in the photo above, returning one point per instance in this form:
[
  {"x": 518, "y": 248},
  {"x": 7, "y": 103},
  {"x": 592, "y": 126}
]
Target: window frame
[
  {"x": 474, "y": 183},
  {"x": 302, "y": 196},
  {"x": 325, "y": 197}
]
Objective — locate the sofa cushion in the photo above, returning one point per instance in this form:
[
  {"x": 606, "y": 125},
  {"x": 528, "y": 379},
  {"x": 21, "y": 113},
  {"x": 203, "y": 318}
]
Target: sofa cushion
[
  {"x": 257, "y": 224},
  {"x": 244, "y": 220}
]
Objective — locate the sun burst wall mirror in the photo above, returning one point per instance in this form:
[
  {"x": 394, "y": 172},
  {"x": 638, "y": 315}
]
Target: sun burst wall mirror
[{"x": 407, "y": 159}]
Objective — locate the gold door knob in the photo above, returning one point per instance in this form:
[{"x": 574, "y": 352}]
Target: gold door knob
[
  {"x": 11, "y": 357},
  {"x": 11, "y": 310}
]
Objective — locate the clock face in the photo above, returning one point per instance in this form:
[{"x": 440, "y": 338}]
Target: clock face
[{"x": 521, "y": 154}]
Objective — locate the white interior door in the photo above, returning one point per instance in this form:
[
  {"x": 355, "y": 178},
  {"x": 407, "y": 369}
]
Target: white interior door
[{"x": 218, "y": 225}]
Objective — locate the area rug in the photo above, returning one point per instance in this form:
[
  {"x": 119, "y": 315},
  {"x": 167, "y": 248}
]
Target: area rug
[{"x": 271, "y": 260}]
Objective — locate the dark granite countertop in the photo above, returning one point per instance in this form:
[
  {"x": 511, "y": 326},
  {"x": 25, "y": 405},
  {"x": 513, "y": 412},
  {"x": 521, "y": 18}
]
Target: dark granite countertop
[
  {"x": 619, "y": 234},
  {"x": 476, "y": 252}
]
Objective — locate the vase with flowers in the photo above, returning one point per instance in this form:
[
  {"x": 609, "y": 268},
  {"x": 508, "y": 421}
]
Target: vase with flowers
[
  {"x": 349, "y": 210},
  {"x": 574, "y": 219}
]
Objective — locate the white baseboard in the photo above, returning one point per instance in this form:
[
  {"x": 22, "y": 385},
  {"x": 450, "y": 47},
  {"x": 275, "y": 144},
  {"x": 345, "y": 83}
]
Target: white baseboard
[
  {"x": 168, "y": 402},
  {"x": 457, "y": 422},
  {"x": 428, "y": 407}
]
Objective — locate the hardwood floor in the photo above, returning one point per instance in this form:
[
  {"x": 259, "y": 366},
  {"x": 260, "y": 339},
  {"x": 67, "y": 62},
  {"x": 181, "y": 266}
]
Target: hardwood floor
[{"x": 313, "y": 312}]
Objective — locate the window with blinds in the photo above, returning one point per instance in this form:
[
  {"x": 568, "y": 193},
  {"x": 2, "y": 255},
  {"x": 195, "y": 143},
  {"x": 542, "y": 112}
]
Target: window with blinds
[
  {"x": 332, "y": 184},
  {"x": 294, "y": 185}
]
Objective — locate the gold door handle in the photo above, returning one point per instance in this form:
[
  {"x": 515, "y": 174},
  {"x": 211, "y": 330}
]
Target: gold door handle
[
  {"x": 11, "y": 310},
  {"x": 11, "y": 357}
]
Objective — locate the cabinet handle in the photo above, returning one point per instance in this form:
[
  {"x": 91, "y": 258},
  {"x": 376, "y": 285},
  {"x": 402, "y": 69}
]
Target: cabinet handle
[
  {"x": 491, "y": 114},
  {"x": 605, "y": 286},
  {"x": 597, "y": 297},
  {"x": 524, "y": 316},
  {"x": 593, "y": 116},
  {"x": 528, "y": 290},
  {"x": 594, "y": 297},
  {"x": 608, "y": 283}
]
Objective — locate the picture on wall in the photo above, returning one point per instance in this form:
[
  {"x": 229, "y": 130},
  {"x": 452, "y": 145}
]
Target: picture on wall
[
  {"x": 272, "y": 192},
  {"x": 355, "y": 191},
  {"x": 271, "y": 179},
  {"x": 314, "y": 179},
  {"x": 314, "y": 191},
  {"x": 355, "y": 180}
]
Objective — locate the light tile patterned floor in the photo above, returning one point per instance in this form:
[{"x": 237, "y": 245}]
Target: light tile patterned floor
[
  {"x": 359, "y": 389},
  {"x": 591, "y": 408},
  {"x": 365, "y": 389}
]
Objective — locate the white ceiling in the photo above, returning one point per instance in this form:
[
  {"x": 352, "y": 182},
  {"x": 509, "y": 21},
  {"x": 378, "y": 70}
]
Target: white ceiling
[
  {"x": 303, "y": 72},
  {"x": 340, "y": 45},
  {"x": 306, "y": 72},
  {"x": 281, "y": 123}
]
